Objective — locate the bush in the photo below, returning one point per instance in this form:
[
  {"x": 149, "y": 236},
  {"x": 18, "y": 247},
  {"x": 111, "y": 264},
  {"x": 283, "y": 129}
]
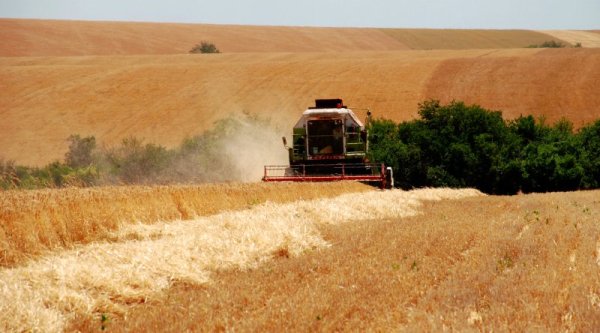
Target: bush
[
  {"x": 136, "y": 163},
  {"x": 8, "y": 175},
  {"x": 588, "y": 140},
  {"x": 458, "y": 145},
  {"x": 548, "y": 44},
  {"x": 80, "y": 151},
  {"x": 205, "y": 47},
  {"x": 453, "y": 145}
]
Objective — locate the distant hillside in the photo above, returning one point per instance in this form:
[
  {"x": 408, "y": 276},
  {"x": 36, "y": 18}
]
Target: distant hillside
[
  {"x": 66, "y": 38},
  {"x": 431, "y": 39},
  {"x": 166, "y": 98},
  {"x": 585, "y": 38},
  {"x": 21, "y": 37}
]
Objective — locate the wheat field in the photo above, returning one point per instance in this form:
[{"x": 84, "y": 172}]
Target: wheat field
[
  {"x": 525, "y": 263},
  {"x": 35, "y": 222},
  {"x": 165, "y": 99},
  {"x": 32, "y": 38},
  {"x": 141, "y": 260}
]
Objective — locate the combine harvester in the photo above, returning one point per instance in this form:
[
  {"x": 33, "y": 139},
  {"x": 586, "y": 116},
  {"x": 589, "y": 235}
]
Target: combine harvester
[{"x": 329, "y": 143}]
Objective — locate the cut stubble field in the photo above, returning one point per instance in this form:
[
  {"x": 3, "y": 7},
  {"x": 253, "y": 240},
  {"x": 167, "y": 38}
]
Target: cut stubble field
[
  {"x": 140, "y": 260},
  {"x": 521, "y": 263},
  {"x": 300, "y": 257},
  {"x": 429, "y": 259}
]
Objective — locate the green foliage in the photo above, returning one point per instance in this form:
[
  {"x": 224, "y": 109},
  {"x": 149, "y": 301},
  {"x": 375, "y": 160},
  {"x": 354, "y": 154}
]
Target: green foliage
[
  {"x": 588, "y": 141},
  {"x": 549, "y": 44},
  {"x": 80, "y": 151},
  {"x": 205, "y": 47},
  {"x": 136, "y": 163},
  {"x": 458, "y": 145},
  {"x": 53, "y": 175},
  {"x": 551, "y": 161},
  {"x": 201, "y": 158},
  {"x": 8, "y": 175},
  {"x": 453, "y": 145}
]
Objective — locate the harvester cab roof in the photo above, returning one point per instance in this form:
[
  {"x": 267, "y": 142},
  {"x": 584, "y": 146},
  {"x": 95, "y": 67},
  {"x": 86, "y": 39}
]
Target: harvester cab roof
[{"x": 341, "y": 113}]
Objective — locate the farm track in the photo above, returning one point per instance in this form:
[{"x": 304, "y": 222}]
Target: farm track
[{"x": 485, "y": 263}]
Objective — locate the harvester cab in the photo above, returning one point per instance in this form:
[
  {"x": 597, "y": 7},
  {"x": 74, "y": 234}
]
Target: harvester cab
[{"x": 329, "y": 143}]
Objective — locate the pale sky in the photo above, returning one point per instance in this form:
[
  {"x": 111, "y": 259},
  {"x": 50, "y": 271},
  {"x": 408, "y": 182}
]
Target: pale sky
[{"x": 496, "y": 14}]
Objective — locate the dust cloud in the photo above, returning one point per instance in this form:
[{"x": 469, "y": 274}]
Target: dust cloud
[
  {"x": 251, "y": 147},
  {"x": 236, "y": 149}
]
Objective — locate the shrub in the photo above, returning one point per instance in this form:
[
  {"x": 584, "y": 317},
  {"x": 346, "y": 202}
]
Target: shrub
[
  {"x": 458, "y": 145},
  {"x": 452, "y": 145},
  {"x": 205, "y": 47},
  {"x": 8, "y": 175},
  {"x": 80, "y": 151},
  {"x": 548, "y": 44},
  {"x": 588, "y": 139},
  {"x": 136, "y": 163}
]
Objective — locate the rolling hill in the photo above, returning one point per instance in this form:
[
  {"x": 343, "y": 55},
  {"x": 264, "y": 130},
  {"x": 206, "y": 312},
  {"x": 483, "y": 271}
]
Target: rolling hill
[
  {"x": 74, "y": 38},
  {"x": 164, "y": 99},
  {"x": 115, "y": 79},
  {"x": 585, "y": 38}
]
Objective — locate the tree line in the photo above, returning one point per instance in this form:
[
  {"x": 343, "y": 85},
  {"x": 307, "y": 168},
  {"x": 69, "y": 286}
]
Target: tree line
[
  {"x": 453, "y": 145},
  {"x": 460, "y": 145},
  {"x": 198, "y": 159}
]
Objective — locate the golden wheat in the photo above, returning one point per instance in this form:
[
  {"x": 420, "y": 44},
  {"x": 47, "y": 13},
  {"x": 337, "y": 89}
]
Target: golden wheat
[
  {"x": 494, "y": 263},
  {"x": 144, "y": 259},
  {"x": 33, "y": 222}
]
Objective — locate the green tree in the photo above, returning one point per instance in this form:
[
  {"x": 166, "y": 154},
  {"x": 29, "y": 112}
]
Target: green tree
[
  {"x": 550, "y": 158},
  {"x": 588, "y": 139},
  {"x": 136, "y": 163},
  {"x": 462, "y": 145}
]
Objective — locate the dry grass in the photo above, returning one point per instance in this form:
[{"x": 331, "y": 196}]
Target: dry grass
[
  {"x": 521, "y": 263},
  {"x": 34, "y": 222},
  {"x": 145, "y": 259}
]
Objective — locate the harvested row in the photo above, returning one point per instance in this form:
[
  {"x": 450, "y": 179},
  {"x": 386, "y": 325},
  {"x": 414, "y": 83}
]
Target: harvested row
[
  {"x": 106, "y": 277},
  {"x": 34, "y": 222},
  {"x": 492, "y": 263}
]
